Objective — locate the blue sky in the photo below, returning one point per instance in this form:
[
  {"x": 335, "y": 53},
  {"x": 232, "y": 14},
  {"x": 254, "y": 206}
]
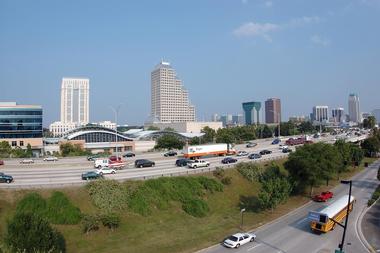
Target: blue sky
[{"x": 225, "y": 51}]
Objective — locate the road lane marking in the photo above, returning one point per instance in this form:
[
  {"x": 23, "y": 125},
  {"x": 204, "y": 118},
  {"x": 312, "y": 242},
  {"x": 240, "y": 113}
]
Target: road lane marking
[
  {"x": 259, "y": 244},
  {"x": 301, "y": 221}
]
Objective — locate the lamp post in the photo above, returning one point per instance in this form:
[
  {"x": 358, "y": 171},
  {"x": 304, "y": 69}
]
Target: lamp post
[
  {"x": 347, "y": 213},
  {"x": 241, "y": 212},
  {"x": 116, "y": 111}
]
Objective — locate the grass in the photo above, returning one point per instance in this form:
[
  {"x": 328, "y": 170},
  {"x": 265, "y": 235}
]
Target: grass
[{"x": 171, "y": 229}]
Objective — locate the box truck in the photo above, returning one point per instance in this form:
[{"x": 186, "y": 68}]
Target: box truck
[{"x": 197, "y": 151}]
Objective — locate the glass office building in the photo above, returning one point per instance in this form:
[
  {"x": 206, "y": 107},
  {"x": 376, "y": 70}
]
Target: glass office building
[{"x": 20, "y": 122}]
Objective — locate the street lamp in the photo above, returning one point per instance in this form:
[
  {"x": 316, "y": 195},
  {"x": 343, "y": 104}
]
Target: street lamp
[
  {"x": 241, "y": 212},
  {"x": 116, "y": 111},
  {"x": 347, "y": 212}
]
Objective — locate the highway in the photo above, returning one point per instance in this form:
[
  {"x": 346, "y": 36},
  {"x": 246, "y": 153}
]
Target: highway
[
  {"x": 67, "y": 171},
  {"x": 291, "y": 233}
]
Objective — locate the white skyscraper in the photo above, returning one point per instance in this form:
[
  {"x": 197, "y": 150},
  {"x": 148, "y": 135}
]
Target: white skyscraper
[
  {"x": 354, "y": 108},
  {"x": 169, "y": 99},
  {"x": 338, "y": 114},
  {"x": 75, "y": 100},
  {"x": 320, "y": 113}
]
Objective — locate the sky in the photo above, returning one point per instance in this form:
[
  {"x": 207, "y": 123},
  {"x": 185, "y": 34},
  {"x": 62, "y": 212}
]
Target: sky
[{"x": 226, "y": 52}]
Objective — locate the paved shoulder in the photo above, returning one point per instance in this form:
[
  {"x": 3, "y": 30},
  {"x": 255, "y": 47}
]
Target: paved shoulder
[{"x": 371, "y": 226}]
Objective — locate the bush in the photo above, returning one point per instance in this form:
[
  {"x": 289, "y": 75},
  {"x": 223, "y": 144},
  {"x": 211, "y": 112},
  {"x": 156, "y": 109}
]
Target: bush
[
  {"x": 370, "y": 202},
  {"x": 90, "y": 223},
  {"x": 195, "y": 207},
  {"x": 110, "y": 220},
  {"x": 250, "y": 171},
  {"x": 226, "y": 180},
  {"x": 210, "y": 185},
  {"x": 28, "y": 232},
  {"x": 219, "y": 173},
  {"x": 32, "y": 203},
  {"x": 61, "y": 211}
]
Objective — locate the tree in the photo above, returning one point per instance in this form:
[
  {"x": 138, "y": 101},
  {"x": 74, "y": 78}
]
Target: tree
[
  {"x": 370, "y": 122},
  {"x": 68, "y": 149},
  {"x": 153, "y": 128},
  {"x": 267, "y": 132},
  {"x": 29, "y": 233},
  {"x": 29, "y": 152},
  {"x": 274, "y": 192},
  {"x": 169, "y": 141},
  {"x": 169, "y": 129},
  {"x": 195, "y": 141},
  {"x": 371, "y": 146},
  {"x": 5, "y": 149},
  {"x": 209, "y": 134},
  {"x": 224, "y": 135},
  {"x": 306, "y": 127}
]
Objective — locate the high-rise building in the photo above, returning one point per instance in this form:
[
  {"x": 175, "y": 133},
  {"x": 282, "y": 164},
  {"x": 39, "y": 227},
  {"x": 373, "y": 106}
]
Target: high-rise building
[
  {"x": 169, "y": 98},
  {"x": 354, "y": 108},
  {"x": 376, "y": 114},
  {"x": 273, "y": 110},
  {"x": 215, "y": 117},
  {"x": 75, "y": 100},
  {"x": 338, "y": 114},
  {"x": 251, "y": 112},
  {"x": 320, "y": 113}
]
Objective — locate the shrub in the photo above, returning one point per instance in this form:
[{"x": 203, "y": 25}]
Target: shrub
[
  {"x": 370, "y": 202},
  {"x": 110, "y": 220},
  {"x": 32, "y": 203},
  {"x": 219, "y": 173},
  {"x": 28, "y": 232},
  {"x": 250, "y": 171},
  {"x": 226, "y": 180},
  {"x": 61, "y": 211},
  {"x": 210, "y": 185},
  {"x": 195, "y": 207},
  {"x": 90, "y": 223}
]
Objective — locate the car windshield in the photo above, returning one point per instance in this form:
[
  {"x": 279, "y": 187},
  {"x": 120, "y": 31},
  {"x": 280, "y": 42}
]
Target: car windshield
[{"x": 233, "y": 238}]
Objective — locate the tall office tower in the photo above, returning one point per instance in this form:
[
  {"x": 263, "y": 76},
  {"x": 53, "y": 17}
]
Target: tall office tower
[
  {"x": 273, "y": 110},
  {"x": 169, "y": 98},
  {"x": 338, "y": 114},
  {"x": 215, "y": 117},
  {"x": 354, "y": 108},
  {"x": 251, "y": 112},
  {"x": 320, "y": 113},
  {"x": 75, "y": 100}
]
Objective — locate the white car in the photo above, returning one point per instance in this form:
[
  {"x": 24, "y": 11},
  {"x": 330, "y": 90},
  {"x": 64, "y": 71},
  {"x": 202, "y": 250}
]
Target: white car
[
  {"x": 27, "y": 161},
  {"x": 236, "y": 240},
  {"x": 50, "y": 159},
  {"x": 283, "y": 147},
  {"x": 198, "y": 163},
  {"x": 105, "y": 170},
  {"x": 242, "y": 153}
]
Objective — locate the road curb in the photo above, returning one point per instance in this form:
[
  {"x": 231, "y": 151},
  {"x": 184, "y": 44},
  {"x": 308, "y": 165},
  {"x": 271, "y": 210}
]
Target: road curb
[{"x": 359, "y": 229}]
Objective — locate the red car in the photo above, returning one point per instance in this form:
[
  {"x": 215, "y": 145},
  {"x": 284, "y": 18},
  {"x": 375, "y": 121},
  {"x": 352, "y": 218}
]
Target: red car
[
  {"x": 114, "y": 158},
  {"x": 323, "y": 197},
  {"x": 1, "y": 162}
]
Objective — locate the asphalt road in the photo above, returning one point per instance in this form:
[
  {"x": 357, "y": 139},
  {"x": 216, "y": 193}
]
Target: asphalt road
[
  {"x": 291, "y": 233},
  {"x": 371, "y": 226},
  {"x": 67, "y": 171}
]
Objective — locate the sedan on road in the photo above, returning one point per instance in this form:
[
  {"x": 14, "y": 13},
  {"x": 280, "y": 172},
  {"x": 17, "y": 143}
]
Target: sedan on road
[
  {"x": 286, "y": 150},
  {"x": 276, "y": 141},
  {"x": 182, "y": 162},
  {"x": 5, "y": 178},
  {"x": 229, "y": 160},
  {"x": 27, "y": 161},
  {"x": 238, "y": 239},
  {"x": 105, "y": 170},
  {"x": 50, "y": 159},
  {"x": 139, "y": 163},
  {"x": 90, "y": 175},
  {"x": 242, "y": 153},
  {"x": 251, "y": 145},
  {"x": 254, "y": 156},
  {"x": 92, "y": 157},
  {"x": 265, "y": 152},
  {"x": 129, "y": 154},
  {"x": 170, "y": 153}
]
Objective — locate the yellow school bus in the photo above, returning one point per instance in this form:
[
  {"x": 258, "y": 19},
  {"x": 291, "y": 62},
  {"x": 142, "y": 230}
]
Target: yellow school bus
[{"x": 322, "y": 221}]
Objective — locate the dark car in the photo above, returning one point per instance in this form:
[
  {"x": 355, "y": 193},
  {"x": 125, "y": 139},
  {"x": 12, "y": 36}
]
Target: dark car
[
  {"x": 265, "y": 152},
  {"x": 182, "y": 162},
  {"x": 1, "y": 162},
  {"x": 5, "y": 178},
  {"x": 229, "y": 160},
  {"x": 144, "y": 163},
  {"x": 170, "y": 153},
  {"x": 286, "y": 150},
  {"x": 254, "y": 156},
  {"x": 276, "y": 141},
  {"x": 129, "y": 154},
  {"x": 90, "y": 175}
]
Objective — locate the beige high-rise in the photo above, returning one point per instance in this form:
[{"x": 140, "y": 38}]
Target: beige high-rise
[
  {"x": 169, "y": 98},
  {"x": 75, "y": 100}
]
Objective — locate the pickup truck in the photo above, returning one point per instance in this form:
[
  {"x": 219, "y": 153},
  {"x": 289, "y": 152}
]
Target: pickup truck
[
  {"x": 323, "y": 197},
  {"x": 198, "y": 163}
]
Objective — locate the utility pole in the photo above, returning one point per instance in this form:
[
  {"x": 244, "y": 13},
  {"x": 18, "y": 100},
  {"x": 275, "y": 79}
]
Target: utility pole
[{"x": 116, "y": 111}]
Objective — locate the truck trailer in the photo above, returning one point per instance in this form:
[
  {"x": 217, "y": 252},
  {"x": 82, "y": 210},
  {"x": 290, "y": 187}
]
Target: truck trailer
[{"x": 198, "y": 151}]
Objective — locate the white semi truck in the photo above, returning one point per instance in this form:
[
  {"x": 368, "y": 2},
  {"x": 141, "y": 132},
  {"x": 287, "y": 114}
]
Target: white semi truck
[{"x": 198, "y": 151}]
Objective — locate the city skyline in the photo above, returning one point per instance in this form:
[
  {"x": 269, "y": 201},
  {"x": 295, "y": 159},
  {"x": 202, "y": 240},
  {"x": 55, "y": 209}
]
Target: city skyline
[{"x": 287, "y": 50}]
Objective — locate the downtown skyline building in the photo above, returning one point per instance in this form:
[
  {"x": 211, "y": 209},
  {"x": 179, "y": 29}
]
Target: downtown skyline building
[
  {"x": 251, "y": 112},
  {"x": 169, "y": 99},
  {"x": 320, "y": 113},
  {"x": 338, "y": 115},
  {"x": 273, "y": 111},
  {"x": 354, "y": 108}
]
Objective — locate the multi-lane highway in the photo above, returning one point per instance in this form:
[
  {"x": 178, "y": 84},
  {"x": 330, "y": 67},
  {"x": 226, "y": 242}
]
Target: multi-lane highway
[
  {"x": 67, "y": 171},
  {"x": 291, "y": 233}
]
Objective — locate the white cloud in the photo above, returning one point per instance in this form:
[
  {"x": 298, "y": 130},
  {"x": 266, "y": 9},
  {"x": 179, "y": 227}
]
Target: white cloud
[
  {"x": 316, "y": 39},
  {"x": 268, "y": 4},
  {"x": 305, "y": 20},
  {"x": 256, "y": 30}
]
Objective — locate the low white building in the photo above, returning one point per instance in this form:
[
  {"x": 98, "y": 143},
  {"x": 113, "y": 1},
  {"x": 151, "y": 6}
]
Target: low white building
[
  {"x": 58, "y": 128},
  {"x": 186, "y": 127}
]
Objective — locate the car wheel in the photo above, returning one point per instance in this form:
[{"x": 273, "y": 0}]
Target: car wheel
[
  {"x": 153, "y": 164},
  {"x": 195, "y": 166},
  {"x": 207, "y": 165},
  {"x": 237, "y": 245},
  {"x": 8, "y": 181},
  {"x": 140, "y": 166},
  {"x": 101, "y": 173},
  {"x": 252, "y": 239},
  {"x": 113, "y": 172},
  {"x": 87, "y": 178}
]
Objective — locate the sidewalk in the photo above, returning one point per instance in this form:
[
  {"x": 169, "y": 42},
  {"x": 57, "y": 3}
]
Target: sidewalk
[{"x": 371, "y": 226}]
